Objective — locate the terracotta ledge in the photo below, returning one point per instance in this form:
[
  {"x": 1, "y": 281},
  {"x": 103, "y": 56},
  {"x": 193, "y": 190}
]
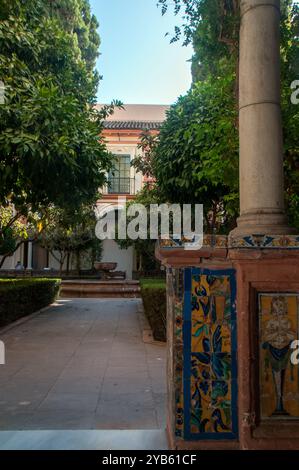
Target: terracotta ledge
[
  {"x": 180, "y": 257},
  {"x": 179, "y": 253},
  {"x": 257, "y": 254}
]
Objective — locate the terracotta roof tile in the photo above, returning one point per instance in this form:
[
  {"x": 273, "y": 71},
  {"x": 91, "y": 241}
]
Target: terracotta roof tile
[{"x": 133, "y": 125}]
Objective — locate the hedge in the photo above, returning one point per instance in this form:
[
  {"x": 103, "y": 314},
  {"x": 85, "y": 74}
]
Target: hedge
[
  {"x": 21, "y": 297},
  {"x": 153, "y": 293}
]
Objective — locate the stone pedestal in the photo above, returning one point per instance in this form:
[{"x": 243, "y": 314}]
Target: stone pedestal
[
  {"x": 233, "y": 312},
  {"x": 267, "y": 306}
]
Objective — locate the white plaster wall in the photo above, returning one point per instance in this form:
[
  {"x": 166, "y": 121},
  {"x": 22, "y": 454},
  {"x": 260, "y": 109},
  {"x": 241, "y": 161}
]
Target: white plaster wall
[
  {"x": 53, "y": 263},
  {"x": 123, "y": 258},
  {"x": 11, "y": 261}
]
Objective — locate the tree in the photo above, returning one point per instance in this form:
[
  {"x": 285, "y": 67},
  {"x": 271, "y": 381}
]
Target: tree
[
  {"x": 51, "y": 149},
  {"x": 195, "y": 159},
  {"x": 13, "y": 232},
  {"x": 143, "y": 163},
  {"x": 290, "y": 112},
  {"x": 213, "y": 28},
  {"x": 145, "y": 249},
  {"x": 70, "y": 234}
]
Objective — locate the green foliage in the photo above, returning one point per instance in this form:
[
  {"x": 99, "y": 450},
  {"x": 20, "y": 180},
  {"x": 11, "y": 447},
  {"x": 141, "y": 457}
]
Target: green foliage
[
  {"x": 145, "y": 249},
  {"x": 196, "y": 159},
  {"x": 11, "y": 230},
  {"x": 153, "y": 283},
  {"x": 21, "y": 297},
  {"x": 50, "y": 149},
  {"x": 213, "y": 28},
  {"x": 290, "y": 112},
  {"x": 143, "y": 163},
  {"x": 15, "y": 230},
  {"x": 70, "y": 233},
  {"x": 199, "y": 143},
  {"x": 153, "y": 293}
]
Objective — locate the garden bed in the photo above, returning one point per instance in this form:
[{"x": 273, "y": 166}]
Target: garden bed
[
  {"x": 153, "y": 293},
  {"x": 22, "y": 297}
]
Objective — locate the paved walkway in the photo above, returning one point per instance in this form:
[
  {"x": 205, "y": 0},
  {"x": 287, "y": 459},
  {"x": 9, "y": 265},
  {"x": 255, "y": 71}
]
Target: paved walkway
[
  {"x": 82, "y": 365},
  {"x": 84, "y": 440}
]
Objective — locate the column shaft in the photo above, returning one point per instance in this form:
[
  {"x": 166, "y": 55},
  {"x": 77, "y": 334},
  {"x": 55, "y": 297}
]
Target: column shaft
[
  {"x": 29, "y": 256},
  {"x": 261, "y": 143}
]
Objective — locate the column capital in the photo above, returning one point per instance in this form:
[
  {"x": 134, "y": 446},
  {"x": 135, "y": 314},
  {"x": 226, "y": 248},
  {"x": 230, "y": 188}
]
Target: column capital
[{"x": 247, "y": 5}]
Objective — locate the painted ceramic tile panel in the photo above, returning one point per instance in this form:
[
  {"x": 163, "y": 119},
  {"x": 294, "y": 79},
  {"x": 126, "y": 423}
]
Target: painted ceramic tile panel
[
  {"x": 279, "y": 378},
  {"x": 178, "y": 349},
  {"x": 213, "y": 354},
  {"x": 170, "y": 339}
]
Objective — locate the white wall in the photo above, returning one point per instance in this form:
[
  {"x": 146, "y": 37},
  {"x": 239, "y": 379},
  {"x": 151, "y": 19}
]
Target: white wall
[
  {"x": 11, "y": 261},
  {"x": 124, "y": 258}
]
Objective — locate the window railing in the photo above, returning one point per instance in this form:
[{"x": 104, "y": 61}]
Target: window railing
[{"x": 121, "y": 185}]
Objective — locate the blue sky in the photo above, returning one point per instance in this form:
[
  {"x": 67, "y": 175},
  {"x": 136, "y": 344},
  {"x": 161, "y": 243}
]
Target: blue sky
[{"x": 137, "y": 62}]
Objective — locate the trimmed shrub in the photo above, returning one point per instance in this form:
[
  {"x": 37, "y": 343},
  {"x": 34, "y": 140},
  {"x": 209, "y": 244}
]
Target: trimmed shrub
[
  {"x": 153, "y": 293},
  {"x": 21, "y": 297}
]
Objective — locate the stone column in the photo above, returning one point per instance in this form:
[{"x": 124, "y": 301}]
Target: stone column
[
  {"x": 261, "y": 143},
  {"x": 29, "y": 256}
]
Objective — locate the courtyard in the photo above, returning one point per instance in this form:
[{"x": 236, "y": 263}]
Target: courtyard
[{"x": 82, "y": 365}]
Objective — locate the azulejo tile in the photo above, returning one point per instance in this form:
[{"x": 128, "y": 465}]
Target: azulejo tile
[
  {"x": 279, "y": 378},
  {"x": 213, "y": 357},
  {"x": 210, "y": 420},
  {"x": 221, "y": 393},
  {"x": 209, "y": 241},
  {"x": 201, "y": 391},
  {"x": 265, "y": 241},
  {"x": 200, "y": 337},
  {"x": 200, "y": 421},
  {"x": 221, "y": 366},
  {"x": 204, "y": 358},
  {"x": 221, "y": 420},
  {"x": 220, "y": 334}
]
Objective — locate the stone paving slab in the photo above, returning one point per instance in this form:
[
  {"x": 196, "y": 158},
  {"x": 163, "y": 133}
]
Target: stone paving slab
[
  {"x": 82, "y": 364},
  {"x": 84, "y": 440}
]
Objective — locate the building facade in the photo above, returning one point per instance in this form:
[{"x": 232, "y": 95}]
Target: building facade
[
  {"x": 122, "y": 132},
  {"x": 123, "y": 135}
]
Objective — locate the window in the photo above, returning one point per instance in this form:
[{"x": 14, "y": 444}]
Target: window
[{"x": 119, "y": 177}]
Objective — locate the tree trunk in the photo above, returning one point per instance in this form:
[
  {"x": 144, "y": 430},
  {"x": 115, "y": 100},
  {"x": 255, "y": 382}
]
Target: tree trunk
[
  {"x": 10, "y": 254},
  {"x": 78, "y": 262},
  {"x": 3, "y": 260},
  {"x": 68, "y": 264}
]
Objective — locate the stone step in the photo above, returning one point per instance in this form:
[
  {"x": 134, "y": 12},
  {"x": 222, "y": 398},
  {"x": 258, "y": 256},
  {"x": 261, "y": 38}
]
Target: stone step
[{"x": 100, "y": 289}]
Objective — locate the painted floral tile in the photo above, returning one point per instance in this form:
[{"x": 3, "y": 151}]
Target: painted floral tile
[
  {"x": 211, "y": 420},
  {"x": 279, "y": 378},
  {"x": 201, "y": 391},
  {"x": 200, "y": 421},
  {"x": 221, "y": 419},
  {"x": 213, "y": 355},
  {"x": 200, "y": 337}
]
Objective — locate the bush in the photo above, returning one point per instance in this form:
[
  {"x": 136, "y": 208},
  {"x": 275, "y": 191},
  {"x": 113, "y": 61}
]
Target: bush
[
  {"x": 21, "y": 297},
  {"x": 153, "y": 293}
]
